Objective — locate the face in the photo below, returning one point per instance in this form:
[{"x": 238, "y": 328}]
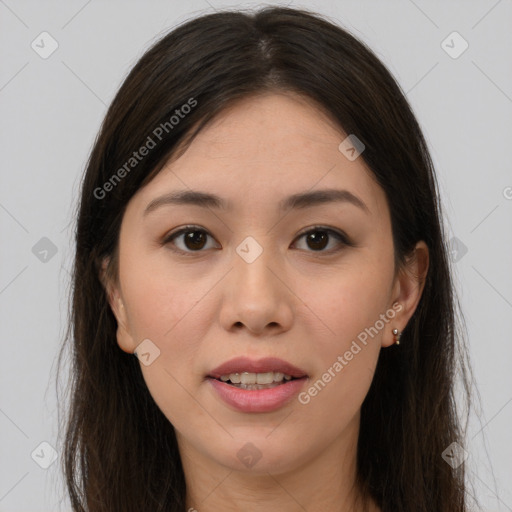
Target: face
[{"x": 311, "y": 283}]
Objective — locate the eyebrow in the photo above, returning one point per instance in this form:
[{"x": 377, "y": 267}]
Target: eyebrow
[{"x": 300, "y": 200}]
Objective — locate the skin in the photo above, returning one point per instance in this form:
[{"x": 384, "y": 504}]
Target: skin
[{"x": 303, "y": 305}]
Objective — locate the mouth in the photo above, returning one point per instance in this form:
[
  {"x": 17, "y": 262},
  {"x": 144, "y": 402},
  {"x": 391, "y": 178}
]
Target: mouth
[
  {"x": 251, "y": 381},
  {"x": 260, "y": 386},
  {"x": 244, "y": 373}
]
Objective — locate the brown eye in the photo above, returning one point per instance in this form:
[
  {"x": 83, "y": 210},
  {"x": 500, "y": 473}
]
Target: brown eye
[
  {"x": 191, "y": 238},
  {"x": 317, "y": 239},
  {"x": 195, "y": 240}
]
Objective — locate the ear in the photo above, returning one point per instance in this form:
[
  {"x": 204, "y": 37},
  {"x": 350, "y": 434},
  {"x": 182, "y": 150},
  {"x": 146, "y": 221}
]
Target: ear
[
  {"x": 124, "y": 338},
  {"x": 407, "y": 290}
]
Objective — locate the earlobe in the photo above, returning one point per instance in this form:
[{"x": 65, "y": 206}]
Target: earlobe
[
  {"x": 112, "y": 293},
  {"x": 408, "y": 289},
  {"x": 124, "y": 339}
]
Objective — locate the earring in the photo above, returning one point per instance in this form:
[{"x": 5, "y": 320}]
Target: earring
[{"x": 397, "y": 333}]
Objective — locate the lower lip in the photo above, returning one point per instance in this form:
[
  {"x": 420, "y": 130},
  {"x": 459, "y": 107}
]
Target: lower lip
[{"x": 257, "y": 400}]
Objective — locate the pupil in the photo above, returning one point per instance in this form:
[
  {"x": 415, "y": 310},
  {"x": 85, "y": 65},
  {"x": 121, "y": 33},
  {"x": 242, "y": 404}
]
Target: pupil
[
  {"x": 316, "y": 239},
  {"x": 193, "y": 238}
]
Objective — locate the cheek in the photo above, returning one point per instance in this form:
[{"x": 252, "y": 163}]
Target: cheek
[
  {"x": 347, "y": 302},
  {"x": 346, "y": 313},
  {"x": 160, "y": 299},
  {"x": 346, "y": 353},
  {"x": 174, "y": 314},
  {"x": 334, "y": 397}
]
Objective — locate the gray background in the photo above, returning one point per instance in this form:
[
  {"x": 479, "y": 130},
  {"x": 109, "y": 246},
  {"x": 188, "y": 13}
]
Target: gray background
[{"x": 51, "y": 110}]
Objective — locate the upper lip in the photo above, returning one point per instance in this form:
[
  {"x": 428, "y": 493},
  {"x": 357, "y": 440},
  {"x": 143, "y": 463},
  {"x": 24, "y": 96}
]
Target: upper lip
[{"x": 267, "y": 364}]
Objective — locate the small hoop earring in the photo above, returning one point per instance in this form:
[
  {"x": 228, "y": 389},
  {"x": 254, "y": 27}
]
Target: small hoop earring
[{"x": 397, "y": 334}]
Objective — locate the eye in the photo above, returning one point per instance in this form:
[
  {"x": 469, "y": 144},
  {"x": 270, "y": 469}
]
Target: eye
[
  {"x": 319, "y": 237},
  {"x": 193, "y": 241}
]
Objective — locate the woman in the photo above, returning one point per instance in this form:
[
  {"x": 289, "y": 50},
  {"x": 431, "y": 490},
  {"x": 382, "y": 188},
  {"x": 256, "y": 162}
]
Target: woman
[{"x": 260, "y": 226}]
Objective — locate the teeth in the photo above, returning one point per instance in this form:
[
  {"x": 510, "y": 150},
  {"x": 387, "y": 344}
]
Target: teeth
[
  {"x": 278, "y": 376},
  {"x": 235, "y": 378},
  {"x": 255, "y": 378},
  {"x": 248, "y": 378},
  {"x": 264, "y": 378}
]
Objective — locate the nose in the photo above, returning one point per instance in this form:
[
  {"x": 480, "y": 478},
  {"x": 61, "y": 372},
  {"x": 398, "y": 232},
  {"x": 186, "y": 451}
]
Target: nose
[{"x": 256, "y": 296}]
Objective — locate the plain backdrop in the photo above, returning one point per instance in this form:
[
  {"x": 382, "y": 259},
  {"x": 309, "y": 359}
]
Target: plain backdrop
[{"x": 51, "y": 110}]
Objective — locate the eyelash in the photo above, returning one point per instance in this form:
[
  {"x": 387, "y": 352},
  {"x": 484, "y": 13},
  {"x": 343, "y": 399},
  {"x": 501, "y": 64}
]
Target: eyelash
[{"x": 342, "y": 238}]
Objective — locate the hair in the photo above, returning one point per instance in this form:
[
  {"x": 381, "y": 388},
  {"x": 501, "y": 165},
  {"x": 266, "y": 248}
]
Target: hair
[{"x": 120, "y": 451}]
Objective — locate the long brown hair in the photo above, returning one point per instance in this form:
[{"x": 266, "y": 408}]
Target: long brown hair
[{"x": 120, "y": 451}]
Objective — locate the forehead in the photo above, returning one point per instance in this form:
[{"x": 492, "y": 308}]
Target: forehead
[
  {"x": 283, "y": 127},
  {"x": 264, "y": 148}
]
